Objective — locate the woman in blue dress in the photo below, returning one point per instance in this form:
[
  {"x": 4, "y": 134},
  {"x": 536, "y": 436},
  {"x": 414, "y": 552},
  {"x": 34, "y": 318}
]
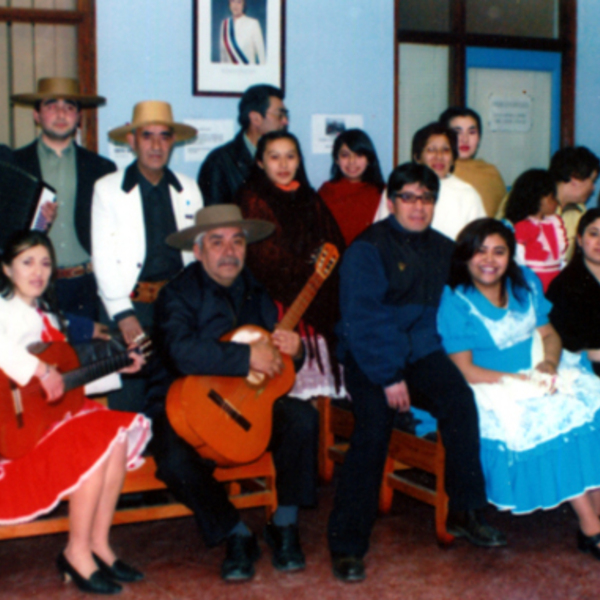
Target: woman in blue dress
[{"x": 538, "y": 411}]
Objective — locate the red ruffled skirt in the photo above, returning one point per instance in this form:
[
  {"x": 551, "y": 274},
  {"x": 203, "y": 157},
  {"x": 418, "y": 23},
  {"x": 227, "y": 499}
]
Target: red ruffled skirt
[{"x": 34, "y": 484}]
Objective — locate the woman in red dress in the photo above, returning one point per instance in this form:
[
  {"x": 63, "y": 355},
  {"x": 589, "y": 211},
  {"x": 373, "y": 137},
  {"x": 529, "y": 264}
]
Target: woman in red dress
[
  {"x": 354, "y": 190},
  {"x": 86, "y": 454}
]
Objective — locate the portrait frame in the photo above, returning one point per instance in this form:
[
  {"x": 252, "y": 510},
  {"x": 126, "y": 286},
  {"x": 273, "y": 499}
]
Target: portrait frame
[{"x": 233, "y": 51}]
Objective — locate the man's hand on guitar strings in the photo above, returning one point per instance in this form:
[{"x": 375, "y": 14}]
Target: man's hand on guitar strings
[
  {"x": 265, "y": 358},
  {"x": 287, "y": 342},
  {"x": 51, "y": 381}
]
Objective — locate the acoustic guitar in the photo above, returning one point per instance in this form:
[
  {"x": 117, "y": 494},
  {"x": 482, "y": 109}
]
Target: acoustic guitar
[
  {"x": 25, "y": 413},
  {"x": 229, "y": 419}
]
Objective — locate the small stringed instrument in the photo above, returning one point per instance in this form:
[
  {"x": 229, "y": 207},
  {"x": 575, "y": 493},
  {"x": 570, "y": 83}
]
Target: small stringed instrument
[
  {"x": 229, "y": 419},
  {"x": 25, "y": 413}
]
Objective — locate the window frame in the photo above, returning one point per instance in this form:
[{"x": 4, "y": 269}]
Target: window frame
[{"x": 458, "y": 40}]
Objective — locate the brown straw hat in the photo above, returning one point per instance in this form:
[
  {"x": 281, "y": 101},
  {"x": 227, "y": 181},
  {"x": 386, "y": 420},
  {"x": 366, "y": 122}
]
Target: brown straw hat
[
  {"x": 220, "y": 215},
  {"x": 152, "y": 112},
  {"x": 55, "y": 88}
]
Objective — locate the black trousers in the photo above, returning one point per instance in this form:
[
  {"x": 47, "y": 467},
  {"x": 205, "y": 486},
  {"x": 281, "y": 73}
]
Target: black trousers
[
  {"x": 132, "y": 395},
  {"x": 294, "y": 443},
  {"x": 436, "y": 385}
]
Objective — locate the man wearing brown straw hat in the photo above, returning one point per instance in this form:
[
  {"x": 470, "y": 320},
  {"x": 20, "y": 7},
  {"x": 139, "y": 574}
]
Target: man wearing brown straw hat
[
  {"x": 206, "y": 300},
  {"x": 72, "y": 171},
  {"x": 133, "y": 211}
]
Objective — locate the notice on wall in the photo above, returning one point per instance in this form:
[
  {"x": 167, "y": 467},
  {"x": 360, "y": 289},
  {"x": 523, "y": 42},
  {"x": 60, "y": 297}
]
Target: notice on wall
[
  {"x": 325, "y": 128},
  {"x": 211, "y": 133},
  {"x": 510, "y": 112},
  {"x": 120, "y": 154}
]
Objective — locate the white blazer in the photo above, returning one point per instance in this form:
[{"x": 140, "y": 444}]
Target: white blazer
[{"x": 119, "y": 236}]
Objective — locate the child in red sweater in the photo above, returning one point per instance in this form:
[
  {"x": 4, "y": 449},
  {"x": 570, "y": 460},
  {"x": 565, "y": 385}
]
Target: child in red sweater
[{"x": 540, "y": 233}]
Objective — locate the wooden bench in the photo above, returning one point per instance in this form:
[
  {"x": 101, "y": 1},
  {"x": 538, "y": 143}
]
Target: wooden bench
[
  {"x": 406, "y": 452},
  {"x": 249, "y": 486}
]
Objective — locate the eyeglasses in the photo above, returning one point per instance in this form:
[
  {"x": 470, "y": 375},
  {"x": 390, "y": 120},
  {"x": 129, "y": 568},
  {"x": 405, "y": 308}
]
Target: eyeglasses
[
  {"x": 410, "y": 198},
  {"x": 282, "y": 113}
]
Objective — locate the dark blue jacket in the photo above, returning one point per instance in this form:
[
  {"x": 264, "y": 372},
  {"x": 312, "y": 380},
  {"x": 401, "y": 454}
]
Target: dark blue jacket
[{"x": 391, "y": 282}]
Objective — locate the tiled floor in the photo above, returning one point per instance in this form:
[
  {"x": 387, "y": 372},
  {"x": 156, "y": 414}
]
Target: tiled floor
[{"x": 541, "y": 562}]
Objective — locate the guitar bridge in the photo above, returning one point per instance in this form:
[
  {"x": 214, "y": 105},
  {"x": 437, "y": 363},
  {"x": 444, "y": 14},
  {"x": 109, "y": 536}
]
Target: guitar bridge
[{"x": 230, "y": 410}]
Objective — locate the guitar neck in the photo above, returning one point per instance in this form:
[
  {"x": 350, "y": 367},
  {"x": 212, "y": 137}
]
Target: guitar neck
[
  {"x": 301, "y": 303},
  {"x": 83, "y": 375}
]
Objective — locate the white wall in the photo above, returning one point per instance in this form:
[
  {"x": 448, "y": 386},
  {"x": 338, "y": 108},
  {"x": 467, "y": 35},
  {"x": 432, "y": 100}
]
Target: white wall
[{"x": 339, "y": 60}]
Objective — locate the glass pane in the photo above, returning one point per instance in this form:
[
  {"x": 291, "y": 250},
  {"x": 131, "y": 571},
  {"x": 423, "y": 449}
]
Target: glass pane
[
  {"x": 38, "y": 51},
  {"x": 425, "y": 15},
  {"x": 423, "y": 90},
  {"x": 530, "y": 18},
  {"x": 516, "y": 108}
]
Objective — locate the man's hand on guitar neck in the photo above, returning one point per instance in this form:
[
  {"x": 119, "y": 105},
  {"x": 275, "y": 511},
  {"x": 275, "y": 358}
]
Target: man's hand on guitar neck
[
  {"x": 51, "y": 381},
  {"x": 265, "y": 358}
]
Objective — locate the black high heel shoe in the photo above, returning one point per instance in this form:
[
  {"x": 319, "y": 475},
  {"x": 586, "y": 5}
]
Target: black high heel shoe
[
  {"x": 589, "y": 543},
  {"x": 119, "y": 571},
  {"x": 96, "y": 584}
]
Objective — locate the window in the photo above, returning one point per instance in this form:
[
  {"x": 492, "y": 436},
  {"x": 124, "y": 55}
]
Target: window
[
  {"x": 433, "y": 42},
  {"x": 44, "y": 38}
]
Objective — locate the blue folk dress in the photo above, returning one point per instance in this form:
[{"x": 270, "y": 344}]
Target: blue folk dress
[{"x": 538, "y": 449}]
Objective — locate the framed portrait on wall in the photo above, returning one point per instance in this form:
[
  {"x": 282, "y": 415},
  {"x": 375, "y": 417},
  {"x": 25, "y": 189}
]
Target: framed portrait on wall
[{"x": 237, "y": 43}]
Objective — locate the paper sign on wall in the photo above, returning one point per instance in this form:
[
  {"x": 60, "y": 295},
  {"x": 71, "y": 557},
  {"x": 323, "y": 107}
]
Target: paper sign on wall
[
  {"x": 510, "y": 113},
  {"x": 120, "y": 154},
  {"x": 211, "y": 133},
  {"x": 325, "y": 128}
]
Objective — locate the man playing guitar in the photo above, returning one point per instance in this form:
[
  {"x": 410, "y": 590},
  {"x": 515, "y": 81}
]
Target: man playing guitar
[{"x": 208, "y": 299}]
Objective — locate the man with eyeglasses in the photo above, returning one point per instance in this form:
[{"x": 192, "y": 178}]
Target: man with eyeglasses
[
  {"x": 391, "y": 282},
  {"x": 261, "y": 109}
]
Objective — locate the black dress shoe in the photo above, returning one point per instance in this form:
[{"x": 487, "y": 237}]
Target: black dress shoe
[
  {"x": 285, "y": 544},
  {"x": 97, "y": 583},
  {"x": 241, "y": 554},
  {"x": 119, "y": 571},
  {"x": 472, "y": 526},
  {"x": 589, "y": 543},
  {"x": 348, "y": 568}
]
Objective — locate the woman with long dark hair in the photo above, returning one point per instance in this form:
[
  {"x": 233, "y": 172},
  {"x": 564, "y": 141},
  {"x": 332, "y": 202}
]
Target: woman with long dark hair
[
  {"x": 354, "y": 190},
  {"x": 539, "y": 412},
  {"x": 575, "y": 293},
  {"x": 278, "y": 191},
  {"x": 84, "y": 455}
]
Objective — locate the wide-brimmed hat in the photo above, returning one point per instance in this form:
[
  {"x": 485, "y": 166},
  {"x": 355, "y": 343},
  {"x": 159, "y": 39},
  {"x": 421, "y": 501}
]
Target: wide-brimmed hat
[
  {"x": 152, "y": 112},
  {"x": 220, "y": 215},
  {"x": 54, "y": 88}
]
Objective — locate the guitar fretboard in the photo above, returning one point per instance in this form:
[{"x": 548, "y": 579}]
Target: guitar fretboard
[
  {"x": 301, "y": 303},
  {"x": 83, "y": 375}
]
